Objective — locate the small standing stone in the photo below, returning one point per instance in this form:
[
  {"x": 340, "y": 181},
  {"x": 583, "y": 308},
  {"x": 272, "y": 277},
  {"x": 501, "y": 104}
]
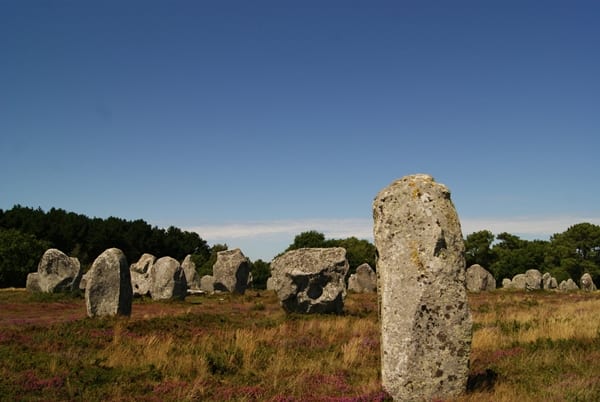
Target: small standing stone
[
  {"x": 364, "y": 280},
  {"x": 479, "y": 279},
  {"x": 191, "y": 275},
  {"x": 568, "y": 285},
  {"x": 207, "y": 284},
  {"x": 426, "y": 326},
  {"x": 587, "y": 284},
  {"x": 108, "y": 290}
]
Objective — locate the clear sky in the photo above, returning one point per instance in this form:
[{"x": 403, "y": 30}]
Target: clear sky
[{"x": 252, "y": 121}]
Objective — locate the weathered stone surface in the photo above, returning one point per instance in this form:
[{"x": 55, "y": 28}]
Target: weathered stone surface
[
  {"x": 191, "y": 275},
  {"x": 231, "y": 271},
  {"x": 108, "y": 290},
  {"x": 207, "y": 283},
  {"x": 167, "y": 280},
  {"x": 519, "y": 281},
  {"x": 311, "y": 280},
  {"x": 426, "y": 325},
  {"x": 270, "y": 283},
  {"x": 33, "y": 282},
  {"x": 506, "y": 283},
  {"x": 83, "y": 281},
  {"x": 141, "y": 275},
  {"x": 364, "y": 280},
  {"x": 586, "y": 282},
  {"x": 533, "y": 279},
  {"x": 479, "y": 279},
  {"x": 140, "y": 283},
  {"x": 568, "y": 285},
  {"x": 57, "y": 272},
  {"x": 144, "y": 264},
  {"x": 549, "y": 282}
]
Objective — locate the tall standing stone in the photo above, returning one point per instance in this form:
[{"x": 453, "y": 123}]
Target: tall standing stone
[
  {"x": 108, "y": 289},
  {"x": 191, "y": 275},
  {"x": 425, "y": 319},
  {"x": 364, "y": 280}
]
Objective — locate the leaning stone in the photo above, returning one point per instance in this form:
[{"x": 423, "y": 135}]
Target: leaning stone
[
  {"x": 191, "y": 275},
  {"x": 587, "y": 284},
  {"x": 58, "y": 272},
  {"x": 479, "y": 279},
  {"x": 144, "y": 264},
  {"x": 231, "y": 271},
  {"x": 364, "y": 280},
  {"x": 108, "y": 290},
  {"x": 167, "y": 280},
  {"x": 426, "y": 326},
  {"x": 207, "y": 284},
  {"x": 311, "y": 280}
]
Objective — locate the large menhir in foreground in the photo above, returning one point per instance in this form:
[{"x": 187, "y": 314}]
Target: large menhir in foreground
[{"x": 426, "y": 326}]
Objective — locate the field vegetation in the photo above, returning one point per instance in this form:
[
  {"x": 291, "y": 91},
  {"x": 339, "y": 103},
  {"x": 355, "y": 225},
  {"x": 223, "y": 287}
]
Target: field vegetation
[{"x": 526, "y": 346}]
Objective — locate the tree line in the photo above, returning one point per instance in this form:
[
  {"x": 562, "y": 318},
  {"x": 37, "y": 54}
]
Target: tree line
[
  {"x": 25, "y": 233},
  {"x": 565, "y": 255}
]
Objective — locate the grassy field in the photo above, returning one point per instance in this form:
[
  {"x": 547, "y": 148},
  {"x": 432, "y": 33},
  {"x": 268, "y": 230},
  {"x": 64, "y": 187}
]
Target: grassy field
[{"x": 526, "y": 347}]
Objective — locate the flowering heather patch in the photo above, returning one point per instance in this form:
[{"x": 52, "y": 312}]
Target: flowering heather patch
[{"x": 29, "y": 381}]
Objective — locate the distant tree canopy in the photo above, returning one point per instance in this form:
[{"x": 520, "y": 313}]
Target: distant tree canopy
[
  {"x": 357, "y": 251},
  {"x": 86, "y": 238},
  {"x": 19, "y": 255},
  {"x": 565, "y": 255},
  {"x": 25, "y": 233}
]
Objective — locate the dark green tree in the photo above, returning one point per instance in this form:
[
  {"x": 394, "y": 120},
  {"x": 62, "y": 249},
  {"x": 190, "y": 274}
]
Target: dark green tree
[
  {"x": 515, "y": 256},
  {"x": 478, "y": 249},
  {"x": 206, "y": 268},
  {"x": 358, "y": 251},
  {"x": 577, "y": 250},
  {"x": 260, "y": 273},
  {"x": 310, "y": 239},
  {"x": 20, "y": 254}
]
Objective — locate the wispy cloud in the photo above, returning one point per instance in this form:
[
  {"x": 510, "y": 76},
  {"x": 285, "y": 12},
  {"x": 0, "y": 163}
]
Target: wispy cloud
[
  {"x": 363, "y": 228},
  {"x": 265, "y": 239},
  {"x": 332, "y": 228}
]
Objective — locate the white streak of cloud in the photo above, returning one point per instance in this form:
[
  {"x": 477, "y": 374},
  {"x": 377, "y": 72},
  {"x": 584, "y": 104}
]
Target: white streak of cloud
[
  {"x": 362, "y": 228},
  {"x": 265, "y": 239},
  {"x": 332, "y": 228}
]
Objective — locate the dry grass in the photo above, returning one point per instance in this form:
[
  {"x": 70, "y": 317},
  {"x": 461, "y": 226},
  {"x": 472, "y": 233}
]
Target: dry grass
[{"x": 526, "y": 347}]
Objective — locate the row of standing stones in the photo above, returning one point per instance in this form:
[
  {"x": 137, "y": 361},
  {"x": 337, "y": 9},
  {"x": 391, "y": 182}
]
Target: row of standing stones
[
  {"x": 426, "y": 325},
  {"x": 306, "y": 280},
  {"x": 478, "y": 279}
]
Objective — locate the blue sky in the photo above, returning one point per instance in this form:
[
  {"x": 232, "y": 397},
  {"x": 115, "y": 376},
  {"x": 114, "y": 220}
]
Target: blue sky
[{"x": 252, "y": 121}]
